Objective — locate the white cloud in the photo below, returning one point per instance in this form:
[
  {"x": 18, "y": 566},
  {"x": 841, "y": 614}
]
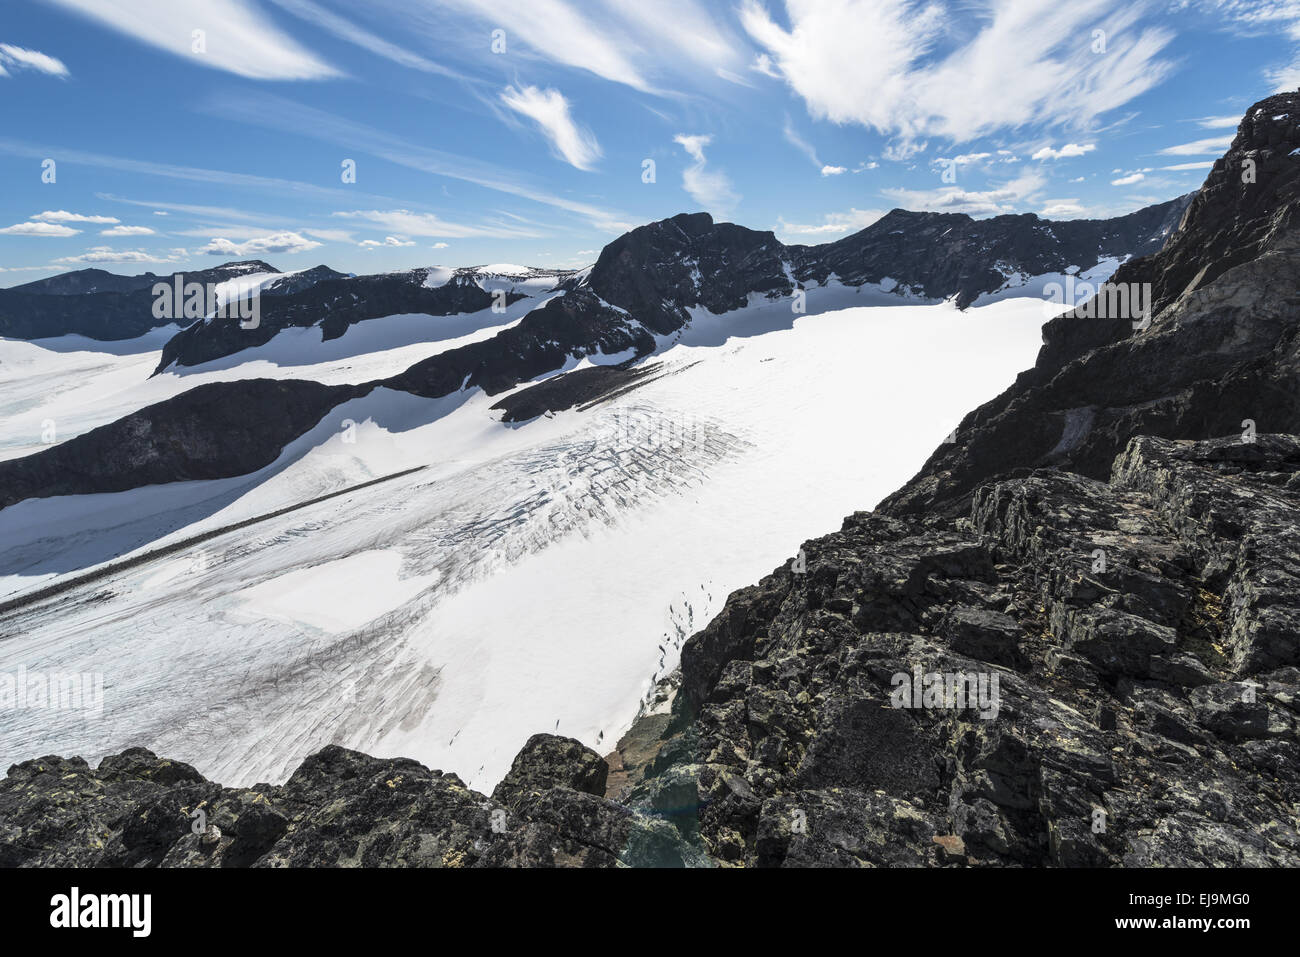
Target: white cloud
[
  {"x": 1268, "y": 18},
  {"x": 1285, "y": 79},
  {"x": 39, "y": 229},
  {"x": 388, "y": 241},
  {"x": 1004, "y": 199},
  {"x": 1219, "y": 122},
  {"x": 127, "y": 231},
  {"x": 1062, "y": 207},
  {"x": 439, "y": 246},
  {"x": 63, "y": 216},
  {"x": 281, "y": 113},
  {"x": 104, "y": 254},
  {"x": 1182, "y": 167},
  {"x": 346, "y": 30},
  {"x": 1128, "y": 180},
  {"x": 834, "y": 170},
  {"x": 637, "y": 44},
  {"x": 1065, "y": 152},
  {"x": 1212, "y": 146},
  {"x": 329, "y": 235},
  {"x": 711, "y": 189},
  {"x": 238, "y": 36},
  {"x": 19, "y": 58},
  {"x": 798, "y": 142},
  {"x": 966, "y": 159},
  {"x": 763, "y": 64},
  {"x": 873, "y": 62},
  {"x": 833, "y": 224},
  {"x": 575, "y": 144},
  {"x": 282, "y": 243},
  {"x": 406, "y": 223}
]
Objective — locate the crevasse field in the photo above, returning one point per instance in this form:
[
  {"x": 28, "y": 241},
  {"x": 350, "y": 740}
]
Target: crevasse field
[{"x": 530, "y": 577}]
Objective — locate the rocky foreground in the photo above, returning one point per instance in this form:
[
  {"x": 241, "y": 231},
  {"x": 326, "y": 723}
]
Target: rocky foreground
[{"x": 1071, "y": 640}]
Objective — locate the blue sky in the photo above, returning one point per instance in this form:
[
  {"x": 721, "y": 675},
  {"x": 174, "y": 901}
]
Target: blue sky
[{"x": 185, "y": 133}]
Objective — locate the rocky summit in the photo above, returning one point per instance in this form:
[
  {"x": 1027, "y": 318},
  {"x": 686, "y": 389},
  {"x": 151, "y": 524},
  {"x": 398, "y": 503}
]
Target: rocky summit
[{"x": 1070, "y": 641}]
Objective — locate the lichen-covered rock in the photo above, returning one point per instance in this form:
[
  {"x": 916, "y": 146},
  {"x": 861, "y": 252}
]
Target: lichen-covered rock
[
  {"x": 549, "y": 761},
  {"x": 1115, "y": 716}
]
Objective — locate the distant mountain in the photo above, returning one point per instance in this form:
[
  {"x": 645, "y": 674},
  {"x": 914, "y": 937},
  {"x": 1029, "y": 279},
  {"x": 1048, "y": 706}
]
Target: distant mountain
[
  {"x": 85, "y": 303},
  {"x": 83, "y": 282},
  {"x": 1222, "y": 347},
  {"x": 654, "y": 274},
  {"x": 642, "y": 287},
  {"x": 332, "y": 301}
]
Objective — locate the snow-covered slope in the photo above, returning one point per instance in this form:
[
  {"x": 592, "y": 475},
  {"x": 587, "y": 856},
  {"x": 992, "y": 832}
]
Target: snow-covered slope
[
  {"x": 78, "y": 383},
  {"x": 534, "y": 576}
]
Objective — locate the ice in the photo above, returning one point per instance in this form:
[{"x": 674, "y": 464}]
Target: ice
[{"x": 531, "y": 577}]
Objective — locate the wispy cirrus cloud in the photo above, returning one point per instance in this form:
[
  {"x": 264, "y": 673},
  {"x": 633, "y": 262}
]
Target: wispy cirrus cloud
[
  {"x": 646, "y": 46},
  {"x": 1258, "y": 18},
  {"x": 711, "y": 189},
  {"x": 235, "y": 36},
  {"x": 407, "y": 223},
  {"x": 575, "y": 144},
  {"x": 345, "y": 29},
  {"x": 15, "y": 58},
  {"x": 282, "y": 113},
  {"x": 1212, "y": 146},
  {"x": 902, "y": 68}
]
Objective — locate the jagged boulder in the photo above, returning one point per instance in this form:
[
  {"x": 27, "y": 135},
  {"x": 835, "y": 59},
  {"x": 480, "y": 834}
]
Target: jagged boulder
[{"x": 550, "y": 761}]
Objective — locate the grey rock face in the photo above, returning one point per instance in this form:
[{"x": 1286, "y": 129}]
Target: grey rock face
[
  {"x": 1222, "y": 348},
  {"x": 550, "y": 761},
  {"x": 339, "y": 809},
  {"x": 98, "y": 304},
  {"x": 1145, "y": 709}
]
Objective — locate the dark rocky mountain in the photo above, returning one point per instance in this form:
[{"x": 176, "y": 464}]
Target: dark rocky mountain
[
  {"x": 121, "y": 310},
  {"x": 84, "y": 281},
  {"x": 657, "y": 272},
  {"x": 950, "y": 255},
  {"x": 1103, "y": 541},
  {"x": 335, "y": 301},
  {"x": 211, "y": 431},
  {"x": 1222, "y": 346}
]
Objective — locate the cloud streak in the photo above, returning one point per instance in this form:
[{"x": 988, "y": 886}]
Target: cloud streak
[
  {"x": 575, "y": 144},
  {"x": 711, "y": 189},
  {"x": 235, "y": 35},
  {"x": 900, "y": 67}
]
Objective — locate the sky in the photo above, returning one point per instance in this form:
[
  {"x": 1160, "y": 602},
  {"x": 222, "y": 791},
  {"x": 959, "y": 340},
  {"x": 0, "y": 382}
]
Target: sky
[{"x": 164, "y": 135}]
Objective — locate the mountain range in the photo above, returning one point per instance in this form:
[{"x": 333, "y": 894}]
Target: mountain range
[
  {"x": 639, "y": 293},
  {"x": 1115, "y": 539}
]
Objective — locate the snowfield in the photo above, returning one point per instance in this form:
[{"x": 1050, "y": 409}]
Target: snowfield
[
  {"x": 532, "y": 577},
  {"x": 72, "y": 383}
]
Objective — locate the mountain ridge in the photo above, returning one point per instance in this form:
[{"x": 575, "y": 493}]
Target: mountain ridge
[
  {"x": 1140, "y": 617},
  {"x": 642, "y": 286}
]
